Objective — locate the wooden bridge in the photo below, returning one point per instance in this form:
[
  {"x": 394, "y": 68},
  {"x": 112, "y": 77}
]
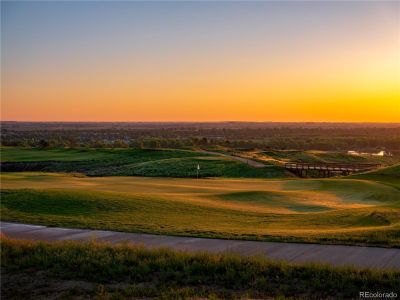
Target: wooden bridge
[{"x": 327, "y": 169}]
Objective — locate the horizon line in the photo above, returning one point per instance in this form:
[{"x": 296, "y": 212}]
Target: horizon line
[{"x": 221, "y": 121}]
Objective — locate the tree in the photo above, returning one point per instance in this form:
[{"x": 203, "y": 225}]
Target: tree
[
  {"x": 119, "y": 144},
  {"x": 43, "y": 144},
  {"x": 154, "y": 144}
]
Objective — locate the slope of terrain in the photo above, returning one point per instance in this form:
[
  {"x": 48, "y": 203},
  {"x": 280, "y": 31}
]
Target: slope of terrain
[
  {"x": 131, "y": 162},
  {"x": 324, "y": 157},
  {"x": 90, "y": 271},
  {"x": 325, "y": 210},
  {"x": 389, "y": 175}
]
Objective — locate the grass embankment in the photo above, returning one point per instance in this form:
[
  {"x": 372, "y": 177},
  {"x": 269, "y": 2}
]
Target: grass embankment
[
  {"x": 90, "y": 270},
  {"x": 325, "y": 157},
  {"x": 131, "y": 162},
  {"x": 389, "y": 175},
  {"x": 321, "y": 211}
]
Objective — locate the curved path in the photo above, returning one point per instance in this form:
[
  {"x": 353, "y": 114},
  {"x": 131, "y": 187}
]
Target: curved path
[
  {"x": 250, "y": 162},
  {"x": 337, "y": 255}
]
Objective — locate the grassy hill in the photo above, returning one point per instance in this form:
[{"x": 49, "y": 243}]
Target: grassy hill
[
  {"x": 362, "y": 209},
  {"x": 99, "y": 271},
  {"x": 131, "y": 162},
  {"x": 326, "y": 157},
  {"x": 323, "y": 211},
  {"x": 389, "y": 175},
  {"x": 15, "y": 154}
]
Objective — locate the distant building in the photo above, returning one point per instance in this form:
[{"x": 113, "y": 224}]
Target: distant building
[{"x": 380, "y": 153}]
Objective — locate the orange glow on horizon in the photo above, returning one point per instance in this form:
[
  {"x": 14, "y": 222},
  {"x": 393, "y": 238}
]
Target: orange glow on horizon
[{"x": 343, "y": 71}]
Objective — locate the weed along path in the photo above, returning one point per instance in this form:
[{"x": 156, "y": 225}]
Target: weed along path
[{"x": 337, "y": 255}]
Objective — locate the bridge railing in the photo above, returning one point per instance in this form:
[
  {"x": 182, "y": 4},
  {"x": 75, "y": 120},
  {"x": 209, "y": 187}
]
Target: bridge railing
[{"x": 329, "y": 166}]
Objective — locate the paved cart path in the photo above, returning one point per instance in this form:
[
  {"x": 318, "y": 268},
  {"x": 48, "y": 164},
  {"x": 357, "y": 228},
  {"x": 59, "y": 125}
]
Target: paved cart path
[{"x": 373, "y": 257}]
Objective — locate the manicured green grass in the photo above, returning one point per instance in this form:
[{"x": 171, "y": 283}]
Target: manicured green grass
[
  {"x": 322, "y": 211},
  {"x": 132, "y": 162},
  {"x": 68, "y": 270},
  {"x": 15, "y": 154},
  {"x": 187, "y": 167},
  {"x": 272, "y": 199},
  {"x": 89, "y": 155},
  {"x": 388, "y": 175},
  {"x": 350, "y": 190}
]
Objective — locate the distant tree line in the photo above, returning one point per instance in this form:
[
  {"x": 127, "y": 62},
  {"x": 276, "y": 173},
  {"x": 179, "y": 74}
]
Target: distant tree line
[{"x": 183, "y": 136}]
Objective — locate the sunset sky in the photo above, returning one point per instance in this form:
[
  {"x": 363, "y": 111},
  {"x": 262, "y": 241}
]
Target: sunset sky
[{"x": 200, "y": 61}]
